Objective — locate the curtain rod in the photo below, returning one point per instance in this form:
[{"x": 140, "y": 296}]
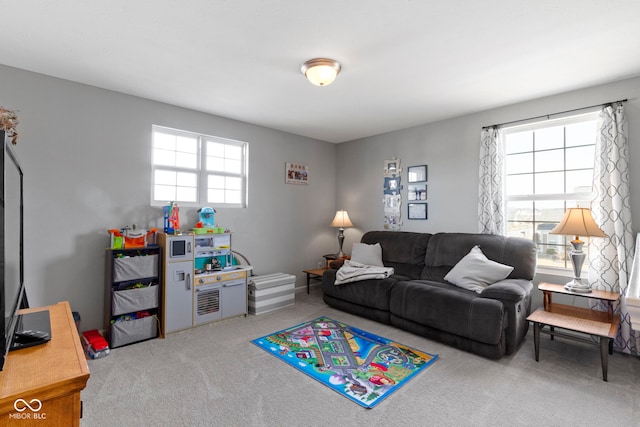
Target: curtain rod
[{"x": 555, "y": 114}]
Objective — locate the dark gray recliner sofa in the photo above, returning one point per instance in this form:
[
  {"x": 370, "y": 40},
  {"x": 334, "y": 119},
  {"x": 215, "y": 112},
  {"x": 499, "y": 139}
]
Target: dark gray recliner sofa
[{"x": 418, "y": 299}]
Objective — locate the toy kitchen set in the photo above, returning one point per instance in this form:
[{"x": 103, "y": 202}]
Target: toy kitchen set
[{"x": 201, "y": 281}]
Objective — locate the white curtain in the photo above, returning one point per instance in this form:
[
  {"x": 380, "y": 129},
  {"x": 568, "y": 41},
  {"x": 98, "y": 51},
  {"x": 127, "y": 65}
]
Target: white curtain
[
  {"x": 491, "y": 189},
  {"x": 611, "y": 257}
]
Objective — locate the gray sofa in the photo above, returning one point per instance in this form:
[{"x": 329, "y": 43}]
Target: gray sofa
[{"x": 416, "y": 297}]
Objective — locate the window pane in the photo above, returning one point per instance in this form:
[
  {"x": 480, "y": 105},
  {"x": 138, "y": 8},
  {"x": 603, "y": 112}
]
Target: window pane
[
  {"x": 519, "y": 142},
  {"x": 164, "y": 141},
  {"x": 234, "y": 183},
  {"x": 581, "y": 157},
  {"x": 215, "y": 181},
  {"x": 519, "y": 163},
  {"x": 233, "y": 152},
  {"x": 581, "y": 133},
  {"x": 215, "y": 196},
  {"x": 215, "y": 164},
  {"x": 187, "y": 144},
  {"x": 164, "y": 192},
  {"x": 165, "y": 177},
  {"x": 233, "y": 166},
  {"x": 233, "y": 196},
  {"x": 185, "y": 179},
  {"x": 579, "y": 181},
  {"x": 187, "y": 160},
  {"x": 549, "y": 138},
  {"x": 186, "y": 194},
  {"x": 520, "y": 184},
  {"x": 550, "y": 160},
  {"x": 520, "y": 219},
  {"x": 164, "y": 157},
  {"x": 550, "y": 183}
]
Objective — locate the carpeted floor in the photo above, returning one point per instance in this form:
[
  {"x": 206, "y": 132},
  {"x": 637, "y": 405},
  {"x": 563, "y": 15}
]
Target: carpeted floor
[{"x": 213, "y": 375}]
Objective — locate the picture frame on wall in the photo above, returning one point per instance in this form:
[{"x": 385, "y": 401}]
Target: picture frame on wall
[
  {"x": 417, "y": 173},
  {"x": 417, "y": 192},
  {"x": 417, "y": 210},
  {"x": 296, "y": 173}
]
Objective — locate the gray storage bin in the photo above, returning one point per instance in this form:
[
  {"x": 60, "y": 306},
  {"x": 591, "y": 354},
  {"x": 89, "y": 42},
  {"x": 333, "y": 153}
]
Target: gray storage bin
[
  {"x": 132, "y": 300},
  {"x": 130, "y": 331},
  {"x": 137, "y": 267}
]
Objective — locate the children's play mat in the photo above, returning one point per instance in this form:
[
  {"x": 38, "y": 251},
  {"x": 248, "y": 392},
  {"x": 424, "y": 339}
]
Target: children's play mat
[{"x": 360, "y": 365}]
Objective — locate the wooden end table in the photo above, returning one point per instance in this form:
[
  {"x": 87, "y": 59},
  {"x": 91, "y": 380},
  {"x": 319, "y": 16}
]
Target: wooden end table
[
  {"x": 601, "y": 324},
  {"x": 315, "y": 274}
]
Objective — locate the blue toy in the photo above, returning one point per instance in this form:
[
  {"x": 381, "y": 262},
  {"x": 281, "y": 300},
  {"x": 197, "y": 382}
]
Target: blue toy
[{"x": 207, "y": 217}]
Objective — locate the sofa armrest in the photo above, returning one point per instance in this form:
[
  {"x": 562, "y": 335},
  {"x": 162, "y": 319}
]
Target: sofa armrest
[
  {"x": 515, "y": 295},
  {"x": 512, "y": 290}
]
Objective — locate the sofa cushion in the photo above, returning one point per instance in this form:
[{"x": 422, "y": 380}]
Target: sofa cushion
[
  {"x": 446, "y": 249},
  {"x": 402, "y": 250},
  {"x": 367, "y": 254},
  {"x": 449, "y": 309},
  {"x": 475, "y": 271},
  {"x": 373, "y": 293}
]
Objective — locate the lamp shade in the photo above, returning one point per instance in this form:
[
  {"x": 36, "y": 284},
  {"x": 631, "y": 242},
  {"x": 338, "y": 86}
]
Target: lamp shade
[
  {"x": 321, "y": 71},
  {"x": 578, "y": 222},
  {"x": 341, "y": 220}
]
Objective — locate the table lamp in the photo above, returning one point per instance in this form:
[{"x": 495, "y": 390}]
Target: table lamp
[
  {"x": 578, "y": 222},
  {"x": 341, "y": 220}
]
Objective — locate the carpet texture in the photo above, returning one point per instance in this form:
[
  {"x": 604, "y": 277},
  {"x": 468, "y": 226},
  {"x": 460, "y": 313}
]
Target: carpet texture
[
  {"x": 213, "y": 375},
  {"x": 361, "y": 366}
]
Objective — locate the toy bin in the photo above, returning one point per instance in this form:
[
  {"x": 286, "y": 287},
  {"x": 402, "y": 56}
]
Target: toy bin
[
  {"x": 130, "y": 331},
  {"x": 132, "y": 300},
  {"x": 135, "y": 267},
  {"x": 271, "y": 292}
]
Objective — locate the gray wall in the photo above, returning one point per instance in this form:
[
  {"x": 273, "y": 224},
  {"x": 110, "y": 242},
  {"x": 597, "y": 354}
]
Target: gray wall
[
  {"x": 450, "y": 148},
  {"x": 86, "y": 156},
  {"x": 87, "y": 162}
]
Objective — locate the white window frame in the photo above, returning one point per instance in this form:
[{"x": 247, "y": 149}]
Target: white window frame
[
  {"x": 201, "y": 171},
  {"x": 573, "y": 199}
]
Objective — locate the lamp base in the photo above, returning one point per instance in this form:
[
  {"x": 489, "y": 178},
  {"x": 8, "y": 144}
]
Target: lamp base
[{"x": 577, "y": 285}]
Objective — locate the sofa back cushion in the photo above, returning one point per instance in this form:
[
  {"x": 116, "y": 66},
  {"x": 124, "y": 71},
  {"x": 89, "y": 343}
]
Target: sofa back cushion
[
  {"x": 404, "y": 251},
  {"x": 446, "y": 249}
]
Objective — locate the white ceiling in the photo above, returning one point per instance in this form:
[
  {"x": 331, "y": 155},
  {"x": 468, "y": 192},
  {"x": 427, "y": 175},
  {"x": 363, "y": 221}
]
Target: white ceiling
[{"x": 404, "y": 62}]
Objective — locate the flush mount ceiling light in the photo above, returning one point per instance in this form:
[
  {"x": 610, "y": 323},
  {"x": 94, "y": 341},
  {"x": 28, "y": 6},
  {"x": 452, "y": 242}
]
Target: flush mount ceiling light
[{"x": 321, "y": 71}]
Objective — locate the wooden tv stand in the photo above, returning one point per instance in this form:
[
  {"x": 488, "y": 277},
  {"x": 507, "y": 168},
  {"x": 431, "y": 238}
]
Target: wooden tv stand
[{"x": 48, "y": 377}]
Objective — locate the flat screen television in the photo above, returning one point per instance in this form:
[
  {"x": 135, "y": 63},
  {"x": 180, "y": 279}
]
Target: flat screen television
[
  {"x": 18, "y": 331},
  {"x": 11, "y": 246}
]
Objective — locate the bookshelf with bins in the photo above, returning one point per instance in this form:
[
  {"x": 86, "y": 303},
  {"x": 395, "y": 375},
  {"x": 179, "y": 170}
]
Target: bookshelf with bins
[{"x": 132, "y": 296}]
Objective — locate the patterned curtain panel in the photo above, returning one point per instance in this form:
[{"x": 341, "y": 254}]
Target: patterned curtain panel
[
  {"x": 491, "y": 190},
  {"x": 611, "y": 257}
]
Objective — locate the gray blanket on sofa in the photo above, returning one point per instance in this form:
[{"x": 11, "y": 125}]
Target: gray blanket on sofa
[{"x": 352, "y": 271}]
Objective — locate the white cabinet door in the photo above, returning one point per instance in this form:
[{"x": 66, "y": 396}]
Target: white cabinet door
[
  {"x": 234, "y": 298},
  {"x": 178, "y": 304}
]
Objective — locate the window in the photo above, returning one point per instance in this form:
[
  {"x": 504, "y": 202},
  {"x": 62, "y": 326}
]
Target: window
[
  {"x": 197, "y": 170},
  {"x": 549, "y": 168}
]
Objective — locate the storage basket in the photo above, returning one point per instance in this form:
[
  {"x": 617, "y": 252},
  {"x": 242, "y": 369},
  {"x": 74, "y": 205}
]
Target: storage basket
[
  {"x": 132, "y": 300},
  {"x": 136, "y": 267},
  {"x": 130, "y": 331}
]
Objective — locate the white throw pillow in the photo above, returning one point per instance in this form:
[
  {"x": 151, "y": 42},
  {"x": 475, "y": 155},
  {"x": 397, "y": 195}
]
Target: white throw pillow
[
  {"x": 367, "y": 254},
  {"x": 475, "y": 271}
]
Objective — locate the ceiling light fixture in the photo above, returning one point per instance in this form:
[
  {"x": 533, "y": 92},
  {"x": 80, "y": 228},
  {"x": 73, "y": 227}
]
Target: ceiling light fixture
[{"x": 321, "y": 71}]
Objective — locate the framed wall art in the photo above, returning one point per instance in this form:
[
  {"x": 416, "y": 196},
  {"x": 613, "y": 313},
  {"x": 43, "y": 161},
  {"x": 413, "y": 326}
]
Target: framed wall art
[
  {"x": 296, "y": 173},
  {"x": 417, "y": 173},
  {"x": 417, "y": 210},
  {"x": 417, "y": 192}
]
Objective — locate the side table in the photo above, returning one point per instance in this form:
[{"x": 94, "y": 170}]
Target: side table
[
  {"x": 603, "y": 325},
  {"x": 314, "y": 274}
]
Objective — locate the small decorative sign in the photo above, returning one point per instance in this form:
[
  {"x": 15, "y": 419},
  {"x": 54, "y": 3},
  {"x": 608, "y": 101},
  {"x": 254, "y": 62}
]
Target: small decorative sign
[{"x": 296, "y": 173}]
